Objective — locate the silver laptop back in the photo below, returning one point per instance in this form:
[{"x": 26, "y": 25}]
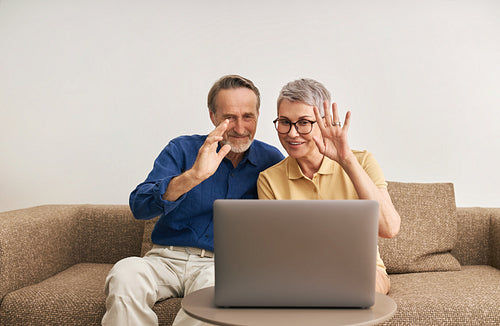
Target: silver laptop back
[{"x": 295, "y": 253}]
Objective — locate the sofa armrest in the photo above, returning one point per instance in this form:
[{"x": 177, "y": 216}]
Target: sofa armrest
[
  {"x": 473, "y": 227},
  {"x": 38, "y": 242},
  {"x": 494, "y": 257},
  {"x": 35, "y": 243},
  {"x": 478, "y": 236}
]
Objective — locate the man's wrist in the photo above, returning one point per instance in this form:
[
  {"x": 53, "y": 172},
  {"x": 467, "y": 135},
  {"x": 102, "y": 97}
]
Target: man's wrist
[
  {"x": 195, "y": 176},
  {"x": 181, "y": 184}
]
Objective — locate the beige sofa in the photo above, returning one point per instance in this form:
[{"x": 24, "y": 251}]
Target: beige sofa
[{"x": 444, "y": 264}]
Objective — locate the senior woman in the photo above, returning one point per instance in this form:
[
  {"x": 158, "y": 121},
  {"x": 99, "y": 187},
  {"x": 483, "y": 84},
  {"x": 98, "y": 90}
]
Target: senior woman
[{"x": 321, "y": 165}]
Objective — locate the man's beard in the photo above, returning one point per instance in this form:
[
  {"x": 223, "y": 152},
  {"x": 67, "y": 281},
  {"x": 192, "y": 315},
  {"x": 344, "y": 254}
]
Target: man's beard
[{"x": 240, "y": 148}]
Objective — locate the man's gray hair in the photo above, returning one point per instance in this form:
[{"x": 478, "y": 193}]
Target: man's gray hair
[
  {"x": 307, "y": 91},
  {"x": 230, "y": 82}
]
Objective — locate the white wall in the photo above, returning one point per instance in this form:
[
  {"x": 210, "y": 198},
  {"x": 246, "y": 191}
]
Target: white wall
[{"x": 91, "y": 91}]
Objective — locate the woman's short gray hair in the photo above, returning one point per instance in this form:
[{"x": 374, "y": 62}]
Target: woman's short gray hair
[{"x": 305, "y": 90}]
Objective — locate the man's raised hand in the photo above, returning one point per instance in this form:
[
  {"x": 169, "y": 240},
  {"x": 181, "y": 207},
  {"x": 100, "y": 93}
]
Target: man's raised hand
[{"x": 208, "y": 159}]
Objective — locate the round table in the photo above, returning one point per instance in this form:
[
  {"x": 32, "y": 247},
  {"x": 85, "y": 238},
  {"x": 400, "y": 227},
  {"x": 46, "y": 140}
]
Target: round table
[{"x": 200, "y": 305}]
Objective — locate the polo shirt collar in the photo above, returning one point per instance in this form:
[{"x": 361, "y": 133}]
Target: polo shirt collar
[{"x": 294, "y": 171}]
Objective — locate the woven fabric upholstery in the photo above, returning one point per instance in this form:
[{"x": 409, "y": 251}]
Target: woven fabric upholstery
[
  {"x": 108, "y": 233},
  {"x": 32, "y": 242},
  {"x": 38, "y": 242},
  {"x": 473, "y": 236},
  {"x": 428, "y": 229},
  {"x": 167, "y": 310},
  {"x": 54, "y": 260},
  {"x": 72, "y": 297},
  {"x": 494, "y": 256},
  {"x": 147, "y": 244},
  {"x": 467, "y": 297}
]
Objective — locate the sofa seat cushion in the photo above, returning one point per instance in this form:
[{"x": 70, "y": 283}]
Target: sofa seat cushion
[
  {"x": 72, "y": 297},
  {"x": 467, "y": 297}
]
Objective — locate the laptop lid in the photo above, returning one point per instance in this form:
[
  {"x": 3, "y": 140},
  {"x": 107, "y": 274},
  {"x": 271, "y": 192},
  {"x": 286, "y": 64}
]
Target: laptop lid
[{"x": 295, "y": 253}]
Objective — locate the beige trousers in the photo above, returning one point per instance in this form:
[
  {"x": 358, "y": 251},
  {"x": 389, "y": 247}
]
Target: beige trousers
[{"x": 135, "y": 284}]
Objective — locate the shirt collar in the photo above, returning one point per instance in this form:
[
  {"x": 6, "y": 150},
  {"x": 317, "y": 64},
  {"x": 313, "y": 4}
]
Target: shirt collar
[
  {"x": 251, "y": 154},
  {"x": 294, "y": 171}
]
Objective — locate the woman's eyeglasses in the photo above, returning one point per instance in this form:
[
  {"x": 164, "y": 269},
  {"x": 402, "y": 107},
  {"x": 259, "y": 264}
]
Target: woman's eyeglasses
[{"x": 303, "y": 126}]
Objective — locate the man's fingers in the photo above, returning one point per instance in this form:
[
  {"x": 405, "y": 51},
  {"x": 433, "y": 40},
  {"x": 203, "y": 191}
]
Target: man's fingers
[
  {"x": 224, "y": 151},
  {"x": 216, "y": 134},
  {"x": 220, "y": 129},
  {"x": 213, "y": 139}
]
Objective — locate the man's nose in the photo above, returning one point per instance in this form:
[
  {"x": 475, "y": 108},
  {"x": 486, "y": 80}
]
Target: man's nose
[{"x": 239, "y": 126}]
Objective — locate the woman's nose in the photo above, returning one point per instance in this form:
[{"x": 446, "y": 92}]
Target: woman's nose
[{"x": 293, "y": 131}]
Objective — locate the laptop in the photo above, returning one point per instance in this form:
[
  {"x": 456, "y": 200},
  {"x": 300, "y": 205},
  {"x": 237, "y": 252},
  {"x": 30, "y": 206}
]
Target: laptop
[{"x": 295, "y": 253}]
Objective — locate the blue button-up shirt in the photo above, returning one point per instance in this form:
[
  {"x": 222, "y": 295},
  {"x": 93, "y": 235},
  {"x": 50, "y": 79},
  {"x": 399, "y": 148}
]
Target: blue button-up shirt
[{"x": 188, "y": 221}]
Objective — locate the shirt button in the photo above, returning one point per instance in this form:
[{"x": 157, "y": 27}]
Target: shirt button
[{"x": 232, "y": 174}]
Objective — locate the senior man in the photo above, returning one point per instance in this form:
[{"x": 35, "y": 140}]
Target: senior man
[{"x": 188, "y": 175}]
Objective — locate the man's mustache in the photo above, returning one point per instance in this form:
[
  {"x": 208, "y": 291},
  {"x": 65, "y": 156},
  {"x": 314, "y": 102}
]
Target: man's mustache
[{"x": 235, "y": 134}]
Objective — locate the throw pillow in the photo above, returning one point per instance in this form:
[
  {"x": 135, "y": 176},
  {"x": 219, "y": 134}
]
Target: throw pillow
[{"x": 428, "y": 229}]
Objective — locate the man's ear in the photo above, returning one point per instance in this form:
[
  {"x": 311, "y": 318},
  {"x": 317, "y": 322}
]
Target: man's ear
[{"x": 212, "y": 117}]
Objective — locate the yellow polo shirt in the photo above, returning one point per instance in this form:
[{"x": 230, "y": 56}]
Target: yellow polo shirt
[{"x": 285, "y": 180}]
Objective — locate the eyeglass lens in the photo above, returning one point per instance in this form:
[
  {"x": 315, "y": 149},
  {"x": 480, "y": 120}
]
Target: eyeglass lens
[{"x": 283, "y": 126}]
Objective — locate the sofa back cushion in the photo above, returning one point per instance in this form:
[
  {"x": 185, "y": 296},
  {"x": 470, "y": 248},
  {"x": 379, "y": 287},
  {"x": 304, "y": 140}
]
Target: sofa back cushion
[
  {"x": 428, "y": 229},
  {"x": 147, "y": 244}
]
